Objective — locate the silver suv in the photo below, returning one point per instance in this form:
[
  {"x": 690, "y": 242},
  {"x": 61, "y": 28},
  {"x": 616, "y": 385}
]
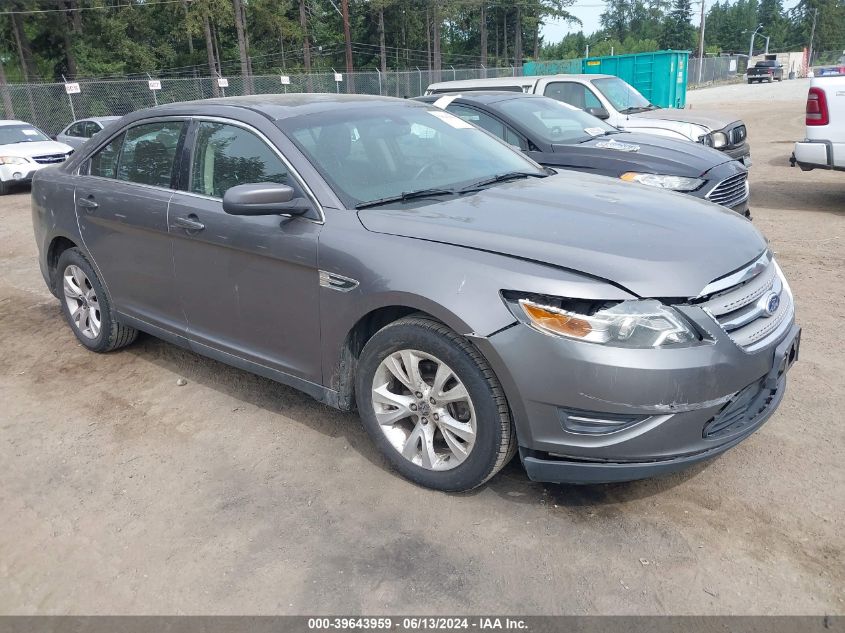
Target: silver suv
[{"x": 387, "y": 255}]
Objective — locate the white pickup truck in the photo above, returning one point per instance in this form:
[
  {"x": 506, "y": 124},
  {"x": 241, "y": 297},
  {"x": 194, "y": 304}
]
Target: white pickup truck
[
  {"x": 620, "y": 104},
  {"x": 824, "y": 144}
]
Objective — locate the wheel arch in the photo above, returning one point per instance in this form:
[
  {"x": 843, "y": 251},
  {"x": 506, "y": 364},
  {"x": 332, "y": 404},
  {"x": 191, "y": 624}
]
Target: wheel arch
[
  {"x": 344, "y": 365},
  {"x": 58, "y": 245}
]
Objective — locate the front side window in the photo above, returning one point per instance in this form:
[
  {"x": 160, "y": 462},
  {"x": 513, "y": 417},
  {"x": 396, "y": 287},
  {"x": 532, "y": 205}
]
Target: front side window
[
  {"x": 104, "y": 162},
  {"x": 368, "y": 154},
  {"x": 623, "y": 96},
  {"x": 489, "y": 123},
  {"x": 77, "y": 129},
  {"x": 572, "y": 93},
  {"x": 226, "y": 155},
  {"x": 149, "y": 153},
  {"x": 554, "y": 121}
]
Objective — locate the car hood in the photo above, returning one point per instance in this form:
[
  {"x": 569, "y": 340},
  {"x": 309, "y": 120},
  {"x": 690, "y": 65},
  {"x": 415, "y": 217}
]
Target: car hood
[
  {"x": 653, "y": 243},
  {"x": 38, "y": 148},
  {"x": 618, "y": 153},
  {"x": 711, "y": 120}
]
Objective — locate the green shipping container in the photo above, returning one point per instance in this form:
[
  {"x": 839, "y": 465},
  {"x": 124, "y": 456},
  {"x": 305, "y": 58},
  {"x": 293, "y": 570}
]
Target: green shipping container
[{"x": 661, "y": 77}]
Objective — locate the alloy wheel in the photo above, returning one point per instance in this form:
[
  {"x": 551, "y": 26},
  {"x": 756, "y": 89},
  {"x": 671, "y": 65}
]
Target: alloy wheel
[
  {"x": 424, "y": 410},
  {"x": 82, "y": 303}
]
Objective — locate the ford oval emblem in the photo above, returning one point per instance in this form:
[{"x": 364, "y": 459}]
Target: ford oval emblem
[{"x": 771, "y": 304}]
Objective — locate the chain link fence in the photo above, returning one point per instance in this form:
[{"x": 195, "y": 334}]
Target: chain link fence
[
  {"x": 714, "y": 69},
  {"x": 50, "y": 108}
]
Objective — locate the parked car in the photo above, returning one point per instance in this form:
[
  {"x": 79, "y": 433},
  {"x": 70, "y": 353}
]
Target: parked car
[
  {"x": 765, "y": 70},
  {"x": 824, "y": 144},
  {"x": 24, "y": 149},
  {"x": 622, "y": 106},
  {"x": 80, "y": 131},
  {"x": 559, "y": 135},
  {"x": 383, "y": 254}
]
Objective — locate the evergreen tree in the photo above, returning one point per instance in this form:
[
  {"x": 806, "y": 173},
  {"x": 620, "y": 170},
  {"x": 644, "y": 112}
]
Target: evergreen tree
[{"x": 678, "y": 32}]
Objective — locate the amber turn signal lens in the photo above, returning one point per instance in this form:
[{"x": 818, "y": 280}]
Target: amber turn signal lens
[{"x": 556, "y": 321}]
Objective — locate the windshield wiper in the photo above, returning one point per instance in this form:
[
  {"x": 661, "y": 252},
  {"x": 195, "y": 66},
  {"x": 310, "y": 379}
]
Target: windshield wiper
[
  {"x": 407, "y": 195},
  {"x": 511, "y": 175},
  {"x": 635, "y": 109}
]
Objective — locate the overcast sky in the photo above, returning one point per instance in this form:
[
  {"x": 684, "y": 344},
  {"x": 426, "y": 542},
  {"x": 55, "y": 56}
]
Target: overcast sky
[{"x": 588, "y": 11}]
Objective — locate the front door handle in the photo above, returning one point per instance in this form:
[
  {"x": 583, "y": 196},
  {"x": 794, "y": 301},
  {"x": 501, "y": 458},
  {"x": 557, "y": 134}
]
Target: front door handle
[
  {"x": 87, "y": 203},
  {"x": 191, "y": 223}
]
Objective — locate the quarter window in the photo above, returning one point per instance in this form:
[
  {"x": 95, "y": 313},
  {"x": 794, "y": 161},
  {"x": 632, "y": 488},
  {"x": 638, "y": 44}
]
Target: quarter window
[
  {"x": 104, "y": 162},
  {"x": 227, "y": 155},
  {"x": 149, "y": 153}
]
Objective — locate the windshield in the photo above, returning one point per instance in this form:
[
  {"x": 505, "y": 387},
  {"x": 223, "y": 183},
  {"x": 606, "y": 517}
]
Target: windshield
[
  {"x": 368, "y": 154},
  {"x": 23, "y": 133},
  {"x": 621, "y": 95},
  {"x": 554, "y": 121}
]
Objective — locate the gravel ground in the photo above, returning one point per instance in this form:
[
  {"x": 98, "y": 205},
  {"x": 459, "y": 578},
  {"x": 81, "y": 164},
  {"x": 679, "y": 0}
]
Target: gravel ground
[{"x": 125, "y": 493}]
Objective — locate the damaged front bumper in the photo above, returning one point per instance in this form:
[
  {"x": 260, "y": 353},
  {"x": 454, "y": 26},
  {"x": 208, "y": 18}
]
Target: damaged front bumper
[{"x": 588, "y": 413}]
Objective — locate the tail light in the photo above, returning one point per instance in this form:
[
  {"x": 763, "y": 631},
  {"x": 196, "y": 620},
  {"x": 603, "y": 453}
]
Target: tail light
[{"x": 817, "y": 113}]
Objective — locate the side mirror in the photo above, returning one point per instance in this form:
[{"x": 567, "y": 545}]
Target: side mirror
[
  {"x": 263, "y": 198},
  {"x": 599, "y": 113}
]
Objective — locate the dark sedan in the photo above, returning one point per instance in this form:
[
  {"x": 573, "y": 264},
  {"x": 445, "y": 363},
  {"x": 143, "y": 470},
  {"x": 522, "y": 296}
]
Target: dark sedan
[{"x": 558, "y": 135}]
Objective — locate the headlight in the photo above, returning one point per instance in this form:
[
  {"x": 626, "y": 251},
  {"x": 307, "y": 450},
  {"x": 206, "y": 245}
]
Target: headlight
[
  {"x": 13, "y": 160},
  {"x": 675, "y": 183},
  {"x": 719, "y": 139},
  {"x": 634, "y": 324}
]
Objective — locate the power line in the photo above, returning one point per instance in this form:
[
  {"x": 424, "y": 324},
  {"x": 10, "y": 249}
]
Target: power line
[{"x": 101, "y": 8}]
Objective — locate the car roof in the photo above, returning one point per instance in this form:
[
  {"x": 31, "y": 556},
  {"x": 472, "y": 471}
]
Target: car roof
[
  {"x": 14, "y": 122},
  {"x": 480, "y": 96},
  {"x": 525, "y": 80},
  {"x": 276, "y": 106}
]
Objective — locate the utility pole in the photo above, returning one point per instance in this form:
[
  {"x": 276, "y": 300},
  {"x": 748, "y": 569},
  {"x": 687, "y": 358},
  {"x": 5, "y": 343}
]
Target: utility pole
[
  {"x": 812, "y": 35},
  {"x": 344, "y": 4},
  {"x": 701, "y": 43}
]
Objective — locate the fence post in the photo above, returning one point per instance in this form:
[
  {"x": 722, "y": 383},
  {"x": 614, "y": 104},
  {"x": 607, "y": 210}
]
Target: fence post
[
  {"x": 379, "y": 81},
  {"x": 483, "y": 72},
  {"x": 454, "y": 76},
  {"x": 419, "y": 72},
  {"x": 70, "y": 100}
]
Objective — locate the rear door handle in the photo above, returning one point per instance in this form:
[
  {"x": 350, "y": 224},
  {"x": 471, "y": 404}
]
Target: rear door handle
[
  {"x": 190, "y": 223},
  {"x": 87, "y": 204}
]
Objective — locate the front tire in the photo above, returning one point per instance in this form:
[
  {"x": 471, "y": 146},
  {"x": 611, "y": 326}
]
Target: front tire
[
  {"x": 433, "y": 406},
  {"x": 86, "y": 306}
]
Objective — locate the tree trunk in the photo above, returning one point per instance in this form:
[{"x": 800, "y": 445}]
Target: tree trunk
[
  {"x": 482, "y": 23},
  {"x": 306, "y": 45},
  {"x": 428, "y": 40},
  {"x": 350, "y": 79},
  {"x": 209, "y": 51},
  {"x": 505, "y": 37},
  {"x": 517, "y": 41},
  {"x": 243, "y": 54},
  {"x": 381, "y": 46},
  {"x": 188, "y": 36},
  {"x": 65, "y": 29},
  {"x": 537, "y": 39},
  {"x": 497, "y": 41},
  {"x": 435, "y": 36},
  {"x": 25, "y": 56},
  {"x": 7, "y": 96}
]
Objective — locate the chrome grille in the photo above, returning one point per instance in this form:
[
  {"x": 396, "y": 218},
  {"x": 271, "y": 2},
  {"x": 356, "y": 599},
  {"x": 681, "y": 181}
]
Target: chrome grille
[
  {"x": 49, "y": 159},
  {"x": 753, "y": 306},
  {"x": 731, "y": 191},
  {"x": 738, "y": 134}
]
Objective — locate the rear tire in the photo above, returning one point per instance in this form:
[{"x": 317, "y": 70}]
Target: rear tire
[
  {"x": 86, "y": 306},
  {"x": 433, "y": 406},
  {"x": 4, "y": 187}
]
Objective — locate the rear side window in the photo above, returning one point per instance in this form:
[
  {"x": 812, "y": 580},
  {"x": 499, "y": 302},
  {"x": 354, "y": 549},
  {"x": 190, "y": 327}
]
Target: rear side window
[
  {"x": 227, "y": 155},
  {"x": 572, "y": 93},
  {"x": 104, "y": 162},
  {"x": 91, "y": 128},
  {"x": 149, "y": 153}
]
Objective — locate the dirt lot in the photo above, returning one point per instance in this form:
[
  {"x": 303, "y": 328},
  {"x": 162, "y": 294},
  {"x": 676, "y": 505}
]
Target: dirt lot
[{"x": 122, "y": 492}]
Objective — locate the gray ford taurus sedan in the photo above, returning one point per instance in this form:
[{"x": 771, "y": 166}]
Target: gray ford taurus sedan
[{"x": 386, "y": 255}]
